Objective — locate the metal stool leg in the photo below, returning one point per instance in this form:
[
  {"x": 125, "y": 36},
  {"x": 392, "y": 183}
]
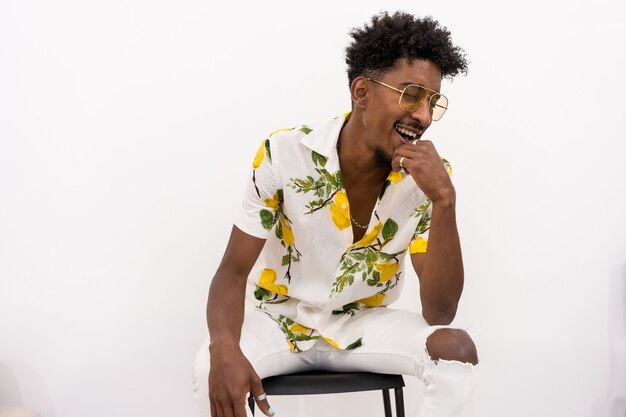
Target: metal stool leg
[
  {"x": 251, "y": 404},
  {"x": 399, "y": 402},
  {"x": 387, "y": 403}
]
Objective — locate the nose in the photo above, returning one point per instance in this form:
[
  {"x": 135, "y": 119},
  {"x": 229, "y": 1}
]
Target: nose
[{"x": 422, "y": 114}]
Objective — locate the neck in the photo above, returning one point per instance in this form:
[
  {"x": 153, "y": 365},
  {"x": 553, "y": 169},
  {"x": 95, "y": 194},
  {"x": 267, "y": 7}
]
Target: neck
[{"x": 358, "y": 162}]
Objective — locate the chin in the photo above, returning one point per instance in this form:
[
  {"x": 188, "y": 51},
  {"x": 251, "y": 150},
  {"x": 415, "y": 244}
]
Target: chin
[{"x": 382, "y": 158}]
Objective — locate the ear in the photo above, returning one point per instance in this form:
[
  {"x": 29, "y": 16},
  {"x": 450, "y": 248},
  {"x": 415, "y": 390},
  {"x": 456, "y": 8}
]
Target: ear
[{"x": 359, "y": 91}]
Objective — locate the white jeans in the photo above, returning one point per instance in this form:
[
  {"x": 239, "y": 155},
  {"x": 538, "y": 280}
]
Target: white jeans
[{"x": 394, "y": 342}]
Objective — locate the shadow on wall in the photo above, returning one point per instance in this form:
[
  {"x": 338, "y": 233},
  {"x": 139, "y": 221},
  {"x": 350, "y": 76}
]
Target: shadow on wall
[
  {"x": 9, "y": 387},
  {"x": 21, "y": 385},
  {"x": 615, "y": 404}
]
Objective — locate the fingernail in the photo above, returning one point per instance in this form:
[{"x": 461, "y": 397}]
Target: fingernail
[{"x": 271, "y": 410}]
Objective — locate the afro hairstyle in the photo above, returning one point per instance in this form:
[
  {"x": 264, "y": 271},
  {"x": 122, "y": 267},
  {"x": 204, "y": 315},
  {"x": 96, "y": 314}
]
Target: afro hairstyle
[{"x": 377, "y": 46}]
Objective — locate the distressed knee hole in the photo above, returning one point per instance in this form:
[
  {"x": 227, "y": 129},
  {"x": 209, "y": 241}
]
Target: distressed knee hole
[{"x": 452, "y": 345}]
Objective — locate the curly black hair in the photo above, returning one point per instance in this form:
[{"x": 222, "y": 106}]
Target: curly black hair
[{"x": 377, "y": 46}]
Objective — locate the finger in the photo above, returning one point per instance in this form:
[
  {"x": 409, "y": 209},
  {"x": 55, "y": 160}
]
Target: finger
[
  {"x": 257, "y": 391},
  {"x": 213, "y": 410},
  {"x": 397, "y": 163},
  {"x": 409, "y": 149},
  {"x": 227, "y": 409},
  {"x": 220, "y": 410},
  {"x": 402, "y": 162},
  {"x": 240, "y": 408},
  {"x": 264, "y": 406}
]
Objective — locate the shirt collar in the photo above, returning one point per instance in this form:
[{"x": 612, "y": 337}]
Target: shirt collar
[{"x": 323, "y": 138}]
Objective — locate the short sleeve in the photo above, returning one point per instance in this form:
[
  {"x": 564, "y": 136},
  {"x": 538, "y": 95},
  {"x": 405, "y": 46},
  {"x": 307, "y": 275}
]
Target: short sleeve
[
  {"x": 419, "y": 242},
  {"x": 261, "y": 196}
]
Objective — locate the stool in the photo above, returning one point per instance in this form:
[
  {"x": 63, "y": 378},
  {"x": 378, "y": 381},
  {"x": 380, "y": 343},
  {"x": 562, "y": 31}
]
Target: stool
[{"x": 321, "y": 382}]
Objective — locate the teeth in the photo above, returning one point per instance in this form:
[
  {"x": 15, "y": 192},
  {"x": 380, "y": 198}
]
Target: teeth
[{"x": 406, "y": 132}]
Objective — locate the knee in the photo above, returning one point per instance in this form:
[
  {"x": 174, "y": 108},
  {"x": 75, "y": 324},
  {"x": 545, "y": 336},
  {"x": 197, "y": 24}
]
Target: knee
[{"x": 453, "y": 345}]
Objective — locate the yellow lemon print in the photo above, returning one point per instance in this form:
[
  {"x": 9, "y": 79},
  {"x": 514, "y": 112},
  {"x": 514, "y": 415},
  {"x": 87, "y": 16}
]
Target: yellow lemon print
[
  {"x": 292, "y": 347},
  {"x": 447, "y": 165},
  {"x": 280, "y": 130},
  {"x": 373, "y": 301},
  {"x": 394, "y": 176},
  {"x": 387, "y": 270},
  {"x": 332, "y": 342},
  {"x": 298, "y": 328},
  {"x": 340, "y": 210},
  {"x": 268, "y": 276},
  {"x": 279, "y": 289},
  {"x": 370, "y": 236},
  {"x": 288, "y": 237},
  {"x": 258, "y": 158},
  {"x": 272, "y": 202},
  {"x": 267, "y": 279},
  {"x": 419, "y": 245}
]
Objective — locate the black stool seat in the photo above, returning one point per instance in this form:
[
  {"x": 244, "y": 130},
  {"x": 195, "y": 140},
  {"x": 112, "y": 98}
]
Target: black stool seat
[{"x": 322, "y": 382}]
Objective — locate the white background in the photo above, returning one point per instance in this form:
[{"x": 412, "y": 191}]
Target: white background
[{"x": 127, "y": 129}]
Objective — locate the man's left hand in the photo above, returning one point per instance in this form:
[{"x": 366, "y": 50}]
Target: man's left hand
[{"x": 422, "y": 162}]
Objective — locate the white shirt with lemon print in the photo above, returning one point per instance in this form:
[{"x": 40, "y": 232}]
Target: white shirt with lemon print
[{"x": 310, "y": 277}]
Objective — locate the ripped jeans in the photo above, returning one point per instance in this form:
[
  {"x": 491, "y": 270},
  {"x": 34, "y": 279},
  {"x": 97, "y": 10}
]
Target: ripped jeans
[{"x": 394, "y": 342}]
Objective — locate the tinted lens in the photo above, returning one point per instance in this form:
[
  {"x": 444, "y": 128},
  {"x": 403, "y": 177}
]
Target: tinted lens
[
  {"x": 412, "y": 97},
  {"x": 438, "y": 106}
]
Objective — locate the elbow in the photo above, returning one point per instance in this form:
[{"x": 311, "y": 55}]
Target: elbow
[{"x": 440, "y": 316}]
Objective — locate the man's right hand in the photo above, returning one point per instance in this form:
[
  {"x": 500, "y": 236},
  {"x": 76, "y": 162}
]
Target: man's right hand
[{"x": 231, "y": 378}]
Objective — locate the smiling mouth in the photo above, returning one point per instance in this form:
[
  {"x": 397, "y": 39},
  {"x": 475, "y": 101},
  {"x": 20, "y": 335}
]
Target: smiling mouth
[{"x": 407, "y": 134}]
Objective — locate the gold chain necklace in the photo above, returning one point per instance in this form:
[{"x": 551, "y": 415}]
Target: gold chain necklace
[{"x": 357, "y": 224}]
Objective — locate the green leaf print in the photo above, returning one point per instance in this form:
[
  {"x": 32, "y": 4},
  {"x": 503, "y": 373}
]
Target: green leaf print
[
  {"x": 324, "y": 187},
  {"x": 286, "y": 325},
  {"x": 261, "y": 293},
  {"x": 350, "y": 309},
  {"x": 376, "y": 275},
  {"x": 357, "y": 255},
  {"x": 279, "y": 231},
  {"x": 300, "y": 337},
  {"x": 389, "y": 229},
  {"x": 422, "y": 226},
  {"x": 318, "y": 159},
  {"x": 268, "y": 152},
  {"x": 382, "y": 256},
  {"x": 268, "y": 297},
  {"x": 306, "y": 130},
  {"x": 422, "y": 208},
  {"x": 366, "y": 262},
  {"x": 267, "y": 219},
  {"x": 355, "y": 344}
]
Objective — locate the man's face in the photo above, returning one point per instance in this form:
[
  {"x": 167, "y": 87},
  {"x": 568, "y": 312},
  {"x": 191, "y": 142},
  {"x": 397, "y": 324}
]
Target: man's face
[{"x": 382, "y": 115}]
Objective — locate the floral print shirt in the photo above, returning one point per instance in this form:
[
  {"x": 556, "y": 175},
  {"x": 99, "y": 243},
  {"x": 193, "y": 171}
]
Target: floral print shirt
[{"x": 310, "y": 277}]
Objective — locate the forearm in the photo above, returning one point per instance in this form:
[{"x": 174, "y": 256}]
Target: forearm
[
  {"x": 225, "y": 307},
  {"x": 441, "y": 280}
]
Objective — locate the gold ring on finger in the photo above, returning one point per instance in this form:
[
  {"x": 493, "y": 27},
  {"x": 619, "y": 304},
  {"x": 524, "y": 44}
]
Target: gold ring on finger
[
  {"x": 401, "y": 161},
  {"x": 260, "y": 397}
]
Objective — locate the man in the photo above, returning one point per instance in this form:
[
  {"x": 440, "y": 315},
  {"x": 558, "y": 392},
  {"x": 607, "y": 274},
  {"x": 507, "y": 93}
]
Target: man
[{"x": 332, "y": 210}]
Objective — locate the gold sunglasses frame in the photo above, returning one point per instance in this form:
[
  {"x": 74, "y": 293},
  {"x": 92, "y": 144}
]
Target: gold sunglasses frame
[{"x": 433, "y": 93}]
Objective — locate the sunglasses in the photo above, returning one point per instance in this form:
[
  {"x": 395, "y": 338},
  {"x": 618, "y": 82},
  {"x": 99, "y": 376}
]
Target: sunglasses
[{"x": 414, "y": 95}]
